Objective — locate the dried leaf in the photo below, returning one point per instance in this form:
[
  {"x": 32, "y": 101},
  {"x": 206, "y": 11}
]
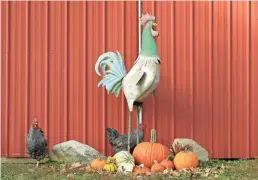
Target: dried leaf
[
  {"x": 148, "y": 173},
  {"x": 75, "y": 165},
  {"x": 167, "y": 171},
  {"x": 63, "y": 171},
  {"x": 70, "y": 176},
  {"x": 207, "y": 170},
  {"x": 206, "y": 175},
  {"x": 175, "y": 173}
]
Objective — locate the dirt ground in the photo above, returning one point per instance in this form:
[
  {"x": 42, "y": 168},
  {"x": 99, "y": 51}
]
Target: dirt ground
[{"x": 213, "y": 169}]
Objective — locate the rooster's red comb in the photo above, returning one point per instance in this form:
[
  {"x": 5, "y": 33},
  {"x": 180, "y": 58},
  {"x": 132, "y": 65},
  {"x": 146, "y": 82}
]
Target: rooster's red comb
[{"x": 145, "y": 18}]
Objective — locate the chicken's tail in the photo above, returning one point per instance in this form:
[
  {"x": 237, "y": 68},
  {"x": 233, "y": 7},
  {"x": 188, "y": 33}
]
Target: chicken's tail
[{"x": 114, "y": 75}]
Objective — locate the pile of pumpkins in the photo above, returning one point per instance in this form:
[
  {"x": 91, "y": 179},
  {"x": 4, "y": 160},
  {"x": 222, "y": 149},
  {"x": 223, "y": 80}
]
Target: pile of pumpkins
[{"x": 147, "y": 157}]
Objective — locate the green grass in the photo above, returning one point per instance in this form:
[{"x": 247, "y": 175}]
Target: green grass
[{"x": 234, "y": 169}]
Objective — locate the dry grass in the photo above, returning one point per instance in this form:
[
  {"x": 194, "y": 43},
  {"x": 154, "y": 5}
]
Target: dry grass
[{"x": 213, "y": 169}]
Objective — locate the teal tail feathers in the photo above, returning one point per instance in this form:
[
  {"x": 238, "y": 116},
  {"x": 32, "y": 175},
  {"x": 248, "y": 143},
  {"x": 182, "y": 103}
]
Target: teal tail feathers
[{"x": 113, "y": 77}]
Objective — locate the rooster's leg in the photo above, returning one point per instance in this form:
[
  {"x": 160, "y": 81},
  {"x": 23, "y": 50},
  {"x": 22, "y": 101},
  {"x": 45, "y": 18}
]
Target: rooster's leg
[
  {"x": 137, "y": 134},
  {"x": 129, "y": 130},
  {"x": 138, "y": 116}
]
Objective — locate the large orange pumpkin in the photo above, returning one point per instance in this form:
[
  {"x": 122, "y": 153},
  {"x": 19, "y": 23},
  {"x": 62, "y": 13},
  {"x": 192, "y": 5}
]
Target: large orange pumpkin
[
  {"x": 186, "y": 159},
  {"x": 146, "y": 152}
]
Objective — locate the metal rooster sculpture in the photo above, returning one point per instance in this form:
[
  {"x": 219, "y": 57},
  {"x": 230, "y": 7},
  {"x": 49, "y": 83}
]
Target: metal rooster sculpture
[{"x": 141, "y": 80}]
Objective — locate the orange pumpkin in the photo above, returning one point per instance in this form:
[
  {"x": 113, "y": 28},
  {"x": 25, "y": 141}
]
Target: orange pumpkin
[
  {"x": 141, "y": 169},
  {"x": 167, "y": 164},
  {"x": 156, "y": 167},
  {"x": 186, "y": 159},
  {"x": 98, "y": 163},
  {"x": 146, "y": 152}
]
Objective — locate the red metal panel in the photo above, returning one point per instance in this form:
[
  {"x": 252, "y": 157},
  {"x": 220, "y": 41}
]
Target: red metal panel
[
  {"x": 221, "y": 80},
  {"x": 184, "y": 69},
  {"x": 5, "y": 78},
  {"x": 96, "y": 98},
  {"x": 56, "y": 73},
  {"x": 18, "y": 74},
  {"x": 208, "y": 88},
  {"x": 200, "y": 77},
  {"x": 240, "y": 80}
]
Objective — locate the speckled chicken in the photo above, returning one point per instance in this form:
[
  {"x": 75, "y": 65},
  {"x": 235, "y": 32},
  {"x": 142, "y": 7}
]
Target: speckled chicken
[
  {"x": 36, "y": 142},
  {"x": 119, "y": 141}
]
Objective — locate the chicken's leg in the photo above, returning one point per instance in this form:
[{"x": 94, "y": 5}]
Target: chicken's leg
[
  {"x": 129, "y": 130},
  {"x": 140, "y": 114},
  {"x": 37, "y": 165}
]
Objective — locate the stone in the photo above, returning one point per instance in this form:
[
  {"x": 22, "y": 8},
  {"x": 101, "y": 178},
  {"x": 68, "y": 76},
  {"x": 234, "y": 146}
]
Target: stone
[
  {"x": 73, "y": 151},
  {"x": 201, "y": 153}
]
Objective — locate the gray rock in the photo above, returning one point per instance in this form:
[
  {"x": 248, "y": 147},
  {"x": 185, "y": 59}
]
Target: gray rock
[
  {"x": 73, "y": 151},
  {"x": 201, "y": 153}
]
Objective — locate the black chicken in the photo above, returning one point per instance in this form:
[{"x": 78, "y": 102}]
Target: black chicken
[
  {"x": 36, "y": 142},
  {"x": 119, "y": 142}
]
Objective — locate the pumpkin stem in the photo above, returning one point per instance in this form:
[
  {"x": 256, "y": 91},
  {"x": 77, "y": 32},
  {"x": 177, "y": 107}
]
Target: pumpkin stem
[
  {"x": 153, "y": 136},
  {"x": 99, "y": 157},
  {"x": 155, "y": 162}
]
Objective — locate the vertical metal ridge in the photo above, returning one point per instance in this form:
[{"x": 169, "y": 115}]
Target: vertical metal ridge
[
  {"x": 15, "y": 68},
  {"x": 253, "y": 70},
  {"x": 1, "y": 62},
  {"x": 248, "y": 53},
  {"x": 192, "y": 66},
  {"x": 27, "y": 69},
  {"x": 154, "y": 102},
  {"x": 173, "y": 70},
  {"x": 124, "y": 48},
  {"x": 211, "y": 77},
  {"x": 229, "y": 75},
  {"x": 57, "y": 66},
  {"x": 86, "y": 65},
  {"x": 7, "y": 96},
  {"x": 103, "y": 89},
  {"x": 139, "y": 26},
  {"x": 46, "y": 102},
  {"x": 66, "y": 79},
  {"x": 84, "y": 86}
]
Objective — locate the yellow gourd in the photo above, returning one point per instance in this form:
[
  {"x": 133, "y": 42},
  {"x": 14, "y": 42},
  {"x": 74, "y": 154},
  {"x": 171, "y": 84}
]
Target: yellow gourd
[{"x": 110, "y": 164}]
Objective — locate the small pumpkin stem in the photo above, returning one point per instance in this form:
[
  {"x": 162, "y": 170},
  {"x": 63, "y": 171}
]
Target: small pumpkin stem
[
  {"x": 99, "y": 157},
  {"x": 153, "y": 136},
  {"x": 155, "y": 162},
  {"x": 141, "y": 166}
]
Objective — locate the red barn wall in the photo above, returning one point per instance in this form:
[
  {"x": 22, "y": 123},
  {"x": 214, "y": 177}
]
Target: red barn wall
[{"x": 209, "y": 73}]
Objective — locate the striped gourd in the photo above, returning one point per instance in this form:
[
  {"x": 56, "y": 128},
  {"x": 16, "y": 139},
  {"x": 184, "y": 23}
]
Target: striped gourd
[{"x": 123, "y": 157}]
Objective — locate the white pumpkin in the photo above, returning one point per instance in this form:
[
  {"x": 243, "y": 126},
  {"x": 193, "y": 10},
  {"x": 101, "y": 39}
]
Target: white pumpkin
[
  {"x": 124, "y": 157},
  {"x": 125, "y": 168}
]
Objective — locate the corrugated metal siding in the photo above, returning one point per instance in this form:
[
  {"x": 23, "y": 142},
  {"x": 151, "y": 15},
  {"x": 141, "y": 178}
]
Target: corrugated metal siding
[{"x": 209, "y": 73}]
